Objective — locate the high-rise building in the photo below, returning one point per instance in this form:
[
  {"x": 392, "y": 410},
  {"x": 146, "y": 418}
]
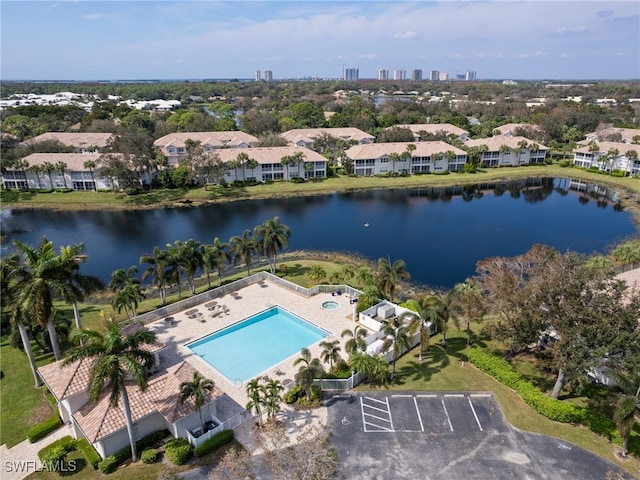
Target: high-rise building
[
  {"x": 268, "y": 75},
  {"x": 434, "y": 75},
  {"x": 460, "y": 76},
  {"x": 399, "y": 74},
  {"x": 470, "y": 75},
  {"x": 258, "y": 76},
  {"x": 444, "y": 76},
  {"x": 350, "y": 74},
  {"x": 383, "y": 74},
  {"x": 416, "y": 74}
]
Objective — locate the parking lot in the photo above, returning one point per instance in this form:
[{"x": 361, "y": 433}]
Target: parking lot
[{"x": 446, "y": 435}]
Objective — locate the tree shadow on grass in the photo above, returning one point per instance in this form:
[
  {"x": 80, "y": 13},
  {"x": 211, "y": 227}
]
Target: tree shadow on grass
[{"x": 155, "y": 197}]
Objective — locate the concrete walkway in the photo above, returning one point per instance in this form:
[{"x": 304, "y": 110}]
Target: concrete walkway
[{"x": 22, "y": 459}]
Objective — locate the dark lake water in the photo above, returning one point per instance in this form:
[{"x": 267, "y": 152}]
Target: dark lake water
[{"x": 439, "y": 232}]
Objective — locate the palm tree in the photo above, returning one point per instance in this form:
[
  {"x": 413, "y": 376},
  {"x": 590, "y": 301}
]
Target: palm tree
[
  {"x": 90, "y": 164},
  {"x": 375, "y": 369},
  {"x": 522, "y": 146},
  {"x": 256, "y": 393},
  {"x": 393, "y": 158},
  {"x": 243, "y": 248},
  {"x": 309, "y": 370},
  {"x": 157, "y": 270},
  {"x": 37, "y": 169},
  {"x": 190, "y": 260},
  {"x": 443, "y": 310},
  {"x": 175, "y": 261},
  {"x": 317, "y": 273},
  {"x": 397, "y": 341},
  {"x": 330, "y": 352},
  {"x": 504, "y": 150},
  {"x": 469, "y": 298},
  {"x": 272, "y": 237},
  {"x": 632, "y": 156},
  {"x": 365, "y": 276},
  {"x": 39, "y": 279},
  {"x": 196, "y": 389},
  {"x": 389, "y": 274},
  {"x": 252, "y": 163},
  {"x": 629, "y": 402},
  {"x": 612, "y": 154},
  {"x": 49, "y": 168},
  {"x": 242, "y": 160},
  {"x": 115, "y": 358},
  {"x": 357, "y": 341},
  {"x": 62, "y": 167},
  {"x": 296, "y": 159},
  {"x": 420, "y": 319},
  {"x": 346, "y": 273},
  {"x": 272, "y": 398},
  {"x": 216, "y": 256},
  {"x": 128, "y": 290}
]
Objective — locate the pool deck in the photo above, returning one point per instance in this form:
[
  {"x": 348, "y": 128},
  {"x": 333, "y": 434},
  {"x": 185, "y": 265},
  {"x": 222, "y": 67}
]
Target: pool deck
[{"x": 241, "y": 304}]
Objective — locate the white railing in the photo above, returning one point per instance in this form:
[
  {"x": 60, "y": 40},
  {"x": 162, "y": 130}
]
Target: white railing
[{"x": 339, "y": 384}]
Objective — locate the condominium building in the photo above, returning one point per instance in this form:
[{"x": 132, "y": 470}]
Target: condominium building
[
  {"x": 416, "y": 74},
  {"x": 470, "y": 76},
  {"x": 268, "y": 75},
  {"x": 399, "y": 74},
  {"x": 258, "y": 76},
  {"x": 383, "y": 74},
  {"x": 434, "y": 75},
  {"x": 444, "y": 76},
  {"x": 350, "y": 74}
]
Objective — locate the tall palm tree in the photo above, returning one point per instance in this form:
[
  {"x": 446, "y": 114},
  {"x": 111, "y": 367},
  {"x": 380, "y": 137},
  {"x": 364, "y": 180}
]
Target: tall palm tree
[
  {"x": 218, "y": 256},
  {"x": 157, "y": 270},
  {"x": 346, "y": 273},
  {"x": 612, "y": 154},
  {"x": 330, "y": 352},
  {"x": 175, "y": 260},
  {"x": 625, "y": 412},
  {"x": 62, "y": 167},
  {"x": 522, "y": 146},
  {"x": 444, "y": 308},
  {"x": 115, "y": 358},
  {"x": 190, "y": 260},
  {"x": 196, "y": 389},
  {"x": 37, "y": 169},
  {"x": 357, "y": 341},
  {"x": 420, "y": 319},
  {"x": 272, "y": 398},
  {"x": 242, "y": 160},
  {"x": 317, "y": 273},
  {"x": 397, "y": 341},
  {"x": 128, "y": 290},
  {"x": 469, "y": 298},
  {"x": 243, "y": 248},
  {"x": 393, "y": 158},
  {"x": 632, "y": 156},
  {"x": 91, "y": 165},
  {"x": 309, "y": 369},
  {"x": 252, "y": 164},
  {"x": 40, "y": 278},
  {"x": 49, "y": 168},
  {"x": 365, "y": 276},
  {"x": 272, "y": 237},
  {"x": 256, "y": 393},
  {"x": 389, "y": 274}
]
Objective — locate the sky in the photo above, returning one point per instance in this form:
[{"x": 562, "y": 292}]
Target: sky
[{"x": 126, "y": 40}]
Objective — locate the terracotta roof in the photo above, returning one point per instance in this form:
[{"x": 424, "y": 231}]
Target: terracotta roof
[
  {"x": 510, "y": 127},
  {"x": 309, "y": 135},
  {"x": 74, "y": 161},
  {"x": 269, "y": 154},
  {"x": 66, "y": 381},
  {"x": 378, "y": 150},
  {"x": 494, "y": 143},
  {"x": 75, "y": 139},
  {"x": 213, "y": 139},
  {"x": 162, "y": 396},
  {"x": 606, "y": 146},
  {"x": 433, "y": 128},
  {"x": 626, "y": 133}
]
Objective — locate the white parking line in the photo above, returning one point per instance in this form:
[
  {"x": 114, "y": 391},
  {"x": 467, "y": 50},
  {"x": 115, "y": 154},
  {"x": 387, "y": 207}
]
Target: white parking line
[
  {"x": 454, "y": 395},
  {"x": 427, "y": 396},
  {"x": 378, "y": 418},
  {"x": 389, "y": 411},
  {"x": 401, "y": 396},
  {"x": 480, "y": 395},
  {"x": 375, "y": 427},
  {"x": 376, "y": 408},
  {"x": 446, "y": 413},
  {"x": 474, "y": 414},
  {"x": 418, "y": 412},
  {"x": 379, "y": 401}
]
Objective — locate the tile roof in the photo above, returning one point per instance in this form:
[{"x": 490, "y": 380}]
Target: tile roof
[
  {"x": 66, "y": 381},
  {"x": 74, "y": 161},
  {"x": 269, "y": 154},
  {"x": 75, "y": 139},
  {"x": 510, "y": 127},
  {"x": 606, "y": 146},
  {"x": 626, "y": 133},
  {"x": 433, "y": 128},
  {"x": 494, "y": 143},
  {"x": 214, "y": 139},
  {"x": 378, "y": 150},
  {"x": 309, "y": 135}
]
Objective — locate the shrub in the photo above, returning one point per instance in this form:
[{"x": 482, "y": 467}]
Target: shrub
[
  {"x": 213, "y": 443},
  {"x": 297, "y": 180},
  {"x": 43, "y": 429},
  {"x": 292, "y": 395},
  {"x": 54, "y": 455},
  {"x": 109, "y": 464},
  {"x": 564, "y": 163},
  {"x": 178, "y": 451},
  {"x": 90, "y": 453},
  {"x": 150, "y": 455},
  {"x": 151, "y": 439},
  {"x": 58, "y": 449}
]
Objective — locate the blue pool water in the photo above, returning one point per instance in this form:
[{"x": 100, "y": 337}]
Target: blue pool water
[{"x": 244, "y": 350}]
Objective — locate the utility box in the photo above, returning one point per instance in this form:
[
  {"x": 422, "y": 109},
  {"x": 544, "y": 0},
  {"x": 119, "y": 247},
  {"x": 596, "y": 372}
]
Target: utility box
[{"x": 386, "y": 311}]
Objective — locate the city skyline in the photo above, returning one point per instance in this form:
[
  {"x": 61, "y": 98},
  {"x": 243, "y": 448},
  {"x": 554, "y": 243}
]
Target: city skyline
[{"x": 120, "y": 40}]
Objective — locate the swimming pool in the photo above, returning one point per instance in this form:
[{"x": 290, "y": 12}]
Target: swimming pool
[{"x": 244, "y": 350}]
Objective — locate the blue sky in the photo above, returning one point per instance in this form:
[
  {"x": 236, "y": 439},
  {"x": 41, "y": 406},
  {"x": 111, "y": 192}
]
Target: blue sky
[{"x": 109, "y": 40}]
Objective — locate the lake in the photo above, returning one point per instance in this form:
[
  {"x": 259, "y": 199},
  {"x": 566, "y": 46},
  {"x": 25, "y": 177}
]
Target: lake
[{"x": 439, "y": 232}]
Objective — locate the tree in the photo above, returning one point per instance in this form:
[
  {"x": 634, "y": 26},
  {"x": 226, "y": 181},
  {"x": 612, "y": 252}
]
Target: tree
[
  {"x": 317, "y": 273},
  {"x": 272, "y": 398},
  {"x": 421, "y": 318},
  {"x": 629, "y": 402},
  {"x": 627, "y": 253},
  {"x": 243, "y": 248},
  {"x": 309, "y": 369},
  {"x": 389, "y": 274},
  {"x": 91, "y": 165},
  {"x": 397, "y": 341},
  {"x": 196, "y": 389},
  {"x": 365, "y": 276},
  {"x": 357, "y": 341},
  {"x": 330, "y": 352},
  {"x": 49, "y": 168},
  {"x": 62, "y": 167},
  {"x": 375, "y": 369},
  {"x": 37, "y": 169},
  {"x": 117, "y": 360},
  {"x": 469, "y": 298},
  {"x": 252, "y": 163},
  {"x": 217, "y": 255},
  {"x": 157, "y": 270},
  {"x": 256, "y": 393},
  {"x": 522, "y": 146},
  {"x": 190, "y": 253},
  {"x": 241, "y": 160},
  {"x": 442, "y": 309},
  {"x": 272, "y": 237},
  {"x": 611, "y": 156},
  {"x": 128, "y": 290},
  {"x": 393, "y": 158},
  {"x": 632, "y": 156}
]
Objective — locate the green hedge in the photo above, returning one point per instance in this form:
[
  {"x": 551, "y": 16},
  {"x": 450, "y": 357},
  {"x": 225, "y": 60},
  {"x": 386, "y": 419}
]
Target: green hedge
[
  {"x": 58, "y": 449},
  {"x": 90, "y": 453},
  {"x": 109, "y": 464},
  {"x": 551, "y": 408},
  {"x": 43, "y": 429},
  {"x": 213, "y": 443},
  {"x": 178, "y": 451},
  {"x": 150, "y": 455}
]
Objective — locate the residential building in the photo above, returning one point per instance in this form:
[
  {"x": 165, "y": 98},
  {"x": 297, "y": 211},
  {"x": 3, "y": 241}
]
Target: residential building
[
  {"x": 82, "y": 142},
  {"x": 416, "y": 75},
  {"x": 609, "y": 156},
  {"x": 470, "y": 76},
  {"x": 507, "y": 151},
  {"x": 351, "y": 74},
  {"x": 508, "y": 129},
  {"x": 306, "y": 137},
  {"x": 375, "y": 158},
  {"x": 434, "y": 75},
  {"x": 258, "y": 77},
  {"x": 174, "y": 145},
  {"x": 613, "y": 134},
  {"x": 268, "y": 75},
  {"x": 270, "y": 166},
  {"x": 419, "y": 129},
  {"x": 444, "y": 76},
  {"x": 75, "y": 176},
  {"x": 399, "y": 74},
  {"x": 383, "y": 74}
]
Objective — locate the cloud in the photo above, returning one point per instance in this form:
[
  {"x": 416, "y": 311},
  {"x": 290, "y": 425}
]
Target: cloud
[
  {"x": 93, "y": 16},
  {"x": 604, "y": 13},
  {"x": 408, "y": 35},
  {"x": 570, "y": 30}
]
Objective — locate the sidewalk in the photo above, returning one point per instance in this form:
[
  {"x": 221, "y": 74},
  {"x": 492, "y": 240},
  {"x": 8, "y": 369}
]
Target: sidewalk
[{"x": 22, "y": 459}]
